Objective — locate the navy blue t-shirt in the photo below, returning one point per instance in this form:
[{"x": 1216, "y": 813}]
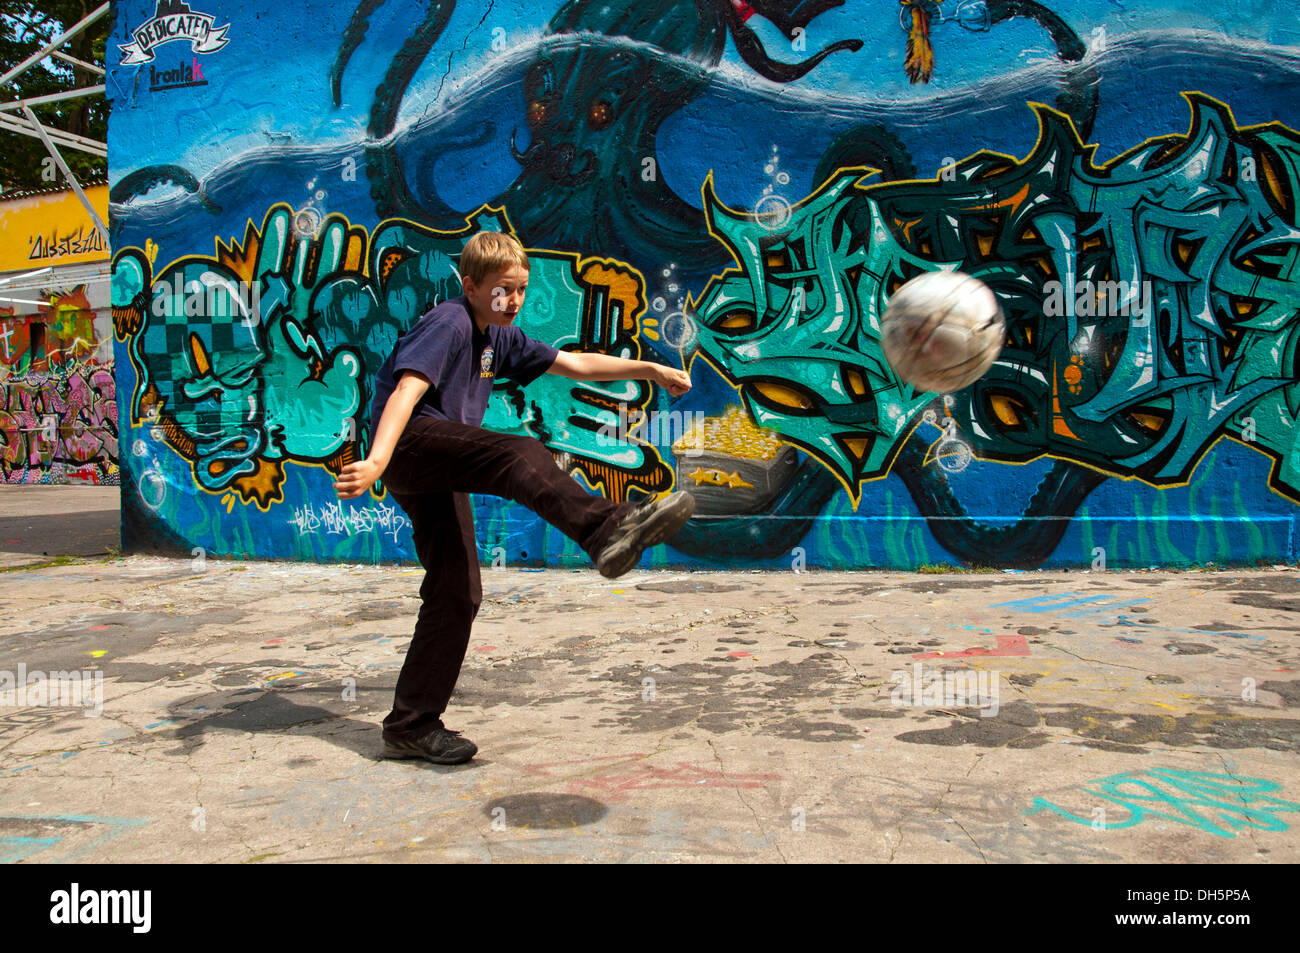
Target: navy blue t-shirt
[{"x": 460, "y": 362}]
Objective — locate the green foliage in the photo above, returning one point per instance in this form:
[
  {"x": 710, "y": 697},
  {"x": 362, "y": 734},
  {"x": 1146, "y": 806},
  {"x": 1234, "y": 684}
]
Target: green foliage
[
  {"x": 24, "y": 29},
  {"x": 941, "y": 568}
]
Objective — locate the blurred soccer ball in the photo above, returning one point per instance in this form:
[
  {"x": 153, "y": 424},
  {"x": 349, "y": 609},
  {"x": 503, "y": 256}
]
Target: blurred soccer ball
[{"x": 942, "y": 331}]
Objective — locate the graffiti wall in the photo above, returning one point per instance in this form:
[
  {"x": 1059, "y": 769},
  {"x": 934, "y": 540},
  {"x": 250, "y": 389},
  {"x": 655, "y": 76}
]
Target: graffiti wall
[
  {"x": 735, "y": 188},
  {"x": 58, "y": 403}
]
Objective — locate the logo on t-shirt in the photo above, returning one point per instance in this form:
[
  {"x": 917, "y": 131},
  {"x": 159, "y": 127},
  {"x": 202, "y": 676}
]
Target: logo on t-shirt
[{"x": 485, "y": 362}]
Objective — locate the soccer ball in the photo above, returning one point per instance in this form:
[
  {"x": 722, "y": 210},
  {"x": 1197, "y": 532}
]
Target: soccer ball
[{"x": 942, "y": 331}]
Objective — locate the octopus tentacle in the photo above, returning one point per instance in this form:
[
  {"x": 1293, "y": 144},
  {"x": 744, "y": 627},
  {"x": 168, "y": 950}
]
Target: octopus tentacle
[
  {"x": 1027, "y": 542},
  {"x": 1081, "y": 96},
  {"x": 353, "y": 34},
  {"x": 750, "y": 48},
  {"x": 871, "y": 145},
  {"x": 388, "y": 187},
  {"x": 141, "y": 181},
  {"x": 786, "y": 20},
  {"x": 389, "y": 93}
]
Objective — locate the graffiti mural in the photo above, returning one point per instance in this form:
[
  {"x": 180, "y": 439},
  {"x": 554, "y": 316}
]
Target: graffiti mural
[
  {"x": 1158, "y": 316},
  {"x": 737, "y": 189},
  {"x": 58, "y": 395},
  {"x": 59, "y": 429},
  {"x": 204, "y": 351}
]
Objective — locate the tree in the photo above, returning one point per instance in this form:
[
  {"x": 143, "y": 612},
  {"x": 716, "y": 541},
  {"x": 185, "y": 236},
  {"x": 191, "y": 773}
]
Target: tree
[{"x": 24, "y": 29}]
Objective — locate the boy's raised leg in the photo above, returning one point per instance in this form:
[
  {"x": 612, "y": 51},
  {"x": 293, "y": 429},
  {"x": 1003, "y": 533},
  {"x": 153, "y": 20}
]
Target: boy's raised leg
[{"x": 435, "y": 455}]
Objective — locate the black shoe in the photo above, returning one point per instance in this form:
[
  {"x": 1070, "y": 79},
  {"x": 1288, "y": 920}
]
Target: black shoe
[
  {"x": 653, "y": 522},
  {"x": 439, "y": 746}
]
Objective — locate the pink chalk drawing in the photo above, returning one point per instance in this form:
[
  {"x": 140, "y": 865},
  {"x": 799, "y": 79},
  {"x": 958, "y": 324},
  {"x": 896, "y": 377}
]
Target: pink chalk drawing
[{"x": 1007, "y": 645}]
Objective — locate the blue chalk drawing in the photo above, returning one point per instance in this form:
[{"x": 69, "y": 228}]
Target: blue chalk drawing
[
  {"x": 1198, "y": 799},
  {"x": 14, "y": 849},
  {"x": 1055, "y": 602},
  {"x": 1081, "y": 606}
]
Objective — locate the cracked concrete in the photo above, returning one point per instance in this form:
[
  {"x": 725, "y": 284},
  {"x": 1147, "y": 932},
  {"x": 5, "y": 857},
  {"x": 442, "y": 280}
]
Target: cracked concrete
[{"x": 665, "y": 716}]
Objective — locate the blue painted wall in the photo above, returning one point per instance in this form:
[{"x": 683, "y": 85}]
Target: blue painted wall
[{"x": 736, "y": 189}]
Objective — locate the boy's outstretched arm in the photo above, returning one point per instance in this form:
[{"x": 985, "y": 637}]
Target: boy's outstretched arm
[
  {"x": 357, "y": 478},
  {"x": 602, "y": 367}
]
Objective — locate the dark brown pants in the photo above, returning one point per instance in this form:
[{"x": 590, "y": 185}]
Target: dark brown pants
[{"x": 435, "y": 465}]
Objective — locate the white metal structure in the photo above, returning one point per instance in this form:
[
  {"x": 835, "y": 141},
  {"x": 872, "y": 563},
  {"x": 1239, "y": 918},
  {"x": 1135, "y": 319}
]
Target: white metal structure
[{"x": 16, "y": 115}]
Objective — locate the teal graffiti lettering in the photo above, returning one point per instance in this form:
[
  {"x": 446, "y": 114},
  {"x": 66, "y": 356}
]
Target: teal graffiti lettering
[{"x": 1217, "y": 804}]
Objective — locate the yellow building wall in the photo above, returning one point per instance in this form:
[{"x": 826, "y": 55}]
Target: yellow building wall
[{"x": 43, "y": 230}]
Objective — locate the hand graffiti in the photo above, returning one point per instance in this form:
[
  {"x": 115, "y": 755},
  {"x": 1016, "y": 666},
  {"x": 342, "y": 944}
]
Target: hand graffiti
[
  {"x": 227, "y": 349},
  {"x": 308, "y": 393}
]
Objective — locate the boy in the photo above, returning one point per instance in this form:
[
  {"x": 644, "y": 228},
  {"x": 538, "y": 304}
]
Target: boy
[{"x": 430, "y": 398}]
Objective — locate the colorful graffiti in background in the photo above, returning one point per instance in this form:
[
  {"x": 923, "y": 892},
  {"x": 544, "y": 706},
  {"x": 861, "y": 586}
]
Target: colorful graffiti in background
[
  {"x": 58, "y": 395},
  {"x": 60, "y": 428},
  {"x": 1151, "y": 297}
]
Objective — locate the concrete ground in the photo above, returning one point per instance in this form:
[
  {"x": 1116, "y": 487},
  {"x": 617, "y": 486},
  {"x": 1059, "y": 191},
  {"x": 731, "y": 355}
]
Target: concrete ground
[
  {"x": 665, "y": 716},
  {"x": 39, "y": 522}
]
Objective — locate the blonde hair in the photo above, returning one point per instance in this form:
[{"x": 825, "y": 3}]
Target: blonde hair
[{"x": 489, "y": 252}]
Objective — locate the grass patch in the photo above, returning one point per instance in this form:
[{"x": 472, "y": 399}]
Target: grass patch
[
  {"x": 48, "y": 564},
  {"x": 935, "y": 568}
]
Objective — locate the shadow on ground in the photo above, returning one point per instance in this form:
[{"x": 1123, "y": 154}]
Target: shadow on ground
[{"x": 91, "y": 533}]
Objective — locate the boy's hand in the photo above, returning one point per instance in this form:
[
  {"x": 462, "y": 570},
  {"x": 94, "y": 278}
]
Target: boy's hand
[
  {"x": 356, "y": 478},
  {"x": 677, "y": 382}
]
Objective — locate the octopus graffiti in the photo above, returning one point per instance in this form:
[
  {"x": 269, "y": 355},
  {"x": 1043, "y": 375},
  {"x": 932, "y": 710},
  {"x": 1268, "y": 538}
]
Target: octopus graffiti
[{"x": 737, "y": 189}]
